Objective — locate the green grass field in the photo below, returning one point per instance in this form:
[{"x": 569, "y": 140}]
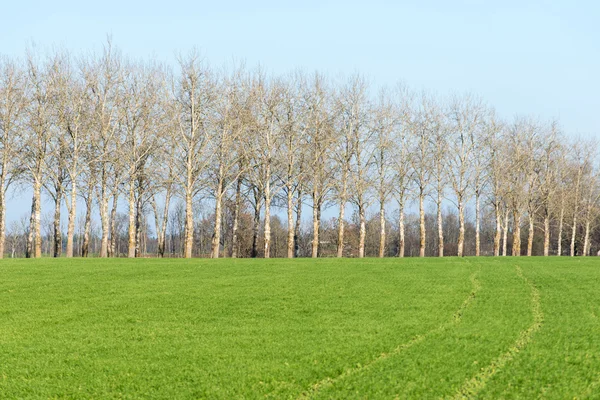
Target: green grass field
[{"x": 485, "y": 328}]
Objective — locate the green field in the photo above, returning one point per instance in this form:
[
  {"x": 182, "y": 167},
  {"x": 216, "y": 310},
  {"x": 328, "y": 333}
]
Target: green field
[{"x": 285, "y": 329}]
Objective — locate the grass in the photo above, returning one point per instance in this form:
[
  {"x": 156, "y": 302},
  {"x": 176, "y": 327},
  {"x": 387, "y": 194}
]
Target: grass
[{"x": 225, "y": 329}]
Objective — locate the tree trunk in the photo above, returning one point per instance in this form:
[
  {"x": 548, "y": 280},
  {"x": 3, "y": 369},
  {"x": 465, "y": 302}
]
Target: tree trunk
[
  {"x": 38, "y": 219},
  {"x": 236, "y": 218},
  {"x": 341, "y": 226},
  {"x": 157, "y": 225},
  {"x": 256, "y": 223},
  {"x": 381, "y": 228},
  {"x": 140, "y": 242},
  {"x": 189, "y": 224},
  {"x": 34, "y": 239},
  {"x": 516, "y": 250},
  {"x": 342, "y": 211},
  {"x": 160, "y": 222},
  {"x": 530, "y": 236},
  {"x": 401, "y": 228},
  {"x": 586, "y": 239},
  {"x": 29, "y": 249},
  {"x": 297, "y": 225},
  {"x": 290, "y": 223},
  {"x": 163, "y": 228},
  {"x": 575, "y": 212},
  {"x": 505, "y": 233},
  {"x": 573, "y": 233},
  {"x": 422, "y": 236},
  {"x": 440, "y": 223},
  {"x": 546, "y": 234},
  {"x": 362, "y": 232},
  {"x": 85, "y": 245},
  {"x": 56, "y": 225},
  {"x": 71, "y": 222},
  {"x": 461, "y": 228},
  {"x": 477, "y": 224},
  {"x": 497, "y": 233},
  {"x": 316, "y": 223},
  {"x": 3, "y": 190},
  {"x": 2, "y": 218},
  {"x": 132, "y": 209},
  {"x": 104, "y": 216},
  {"x": 561, "y": 219},
  {"x": 216, "y": 238},
  {"x": 268, "y": 225},
  {"x": 112, "y": 248}
]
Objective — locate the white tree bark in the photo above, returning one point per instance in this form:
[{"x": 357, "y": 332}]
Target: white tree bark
[
  {"x": 477, "y": 224},
  {"x": 505, "y": 232},
  {"x": 498, "y": 230},
  {"x": 461, "y": 227},
  {"x": 381, "y": 229},
  {"x": 530, "y": 236},
  {"x": 290, "y": 223},
  {"x": 516, "y": 249},
  {"x": 560, "y": 229},
  {"x": 422, "y": 233},
  {"x": 440, "y": 223},
  {"x": 236, "y": 218},
  {"x": 316, "y": 225},
  {"x": 401, "y": 229},
  {"x": 546, "y": 235},
  {"x": 362, "y": 232}
]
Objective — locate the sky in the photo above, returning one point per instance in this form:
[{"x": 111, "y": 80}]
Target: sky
[{"x": 539, "y": 58}]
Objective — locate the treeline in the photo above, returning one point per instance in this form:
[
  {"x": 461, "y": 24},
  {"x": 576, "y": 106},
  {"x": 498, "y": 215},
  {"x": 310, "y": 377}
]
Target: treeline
[{"x": 202, "y": 159}]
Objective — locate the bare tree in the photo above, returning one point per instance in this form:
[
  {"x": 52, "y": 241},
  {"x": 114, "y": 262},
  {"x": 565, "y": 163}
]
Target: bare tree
[
  {"x": 267, "y": 147},
  {"x": 559, "y": 196},
  {"x": 194, "y": 95},
  {"x": 293, "y": 154},
  {"x": 361, "y": 183},
  {"x": 347, "y": 122},
  {"x": 402, "y": 157},
  {"x": 142, "y": 120},
  {"x": 385, "y": 122},
  {"x": 236, "y": 212},
  {"x": 440, "y": 171},
  {"x": 12, "y": 107},
  {"x": 521, "y": 173},
  {"x": 73, "y": 118},
  {"x": 423, "y": 124},
  {"x": 103, "y": 78},
  {"x": 353, "y": 155},
  {"x": 548, "y": 177},
  {"x": 466, "y": 118},
  {"x": 319, "y": 132},
  {"x": 580, "y": 166},
  {"x": 42, "y": 77},
  {"x": 163, "y": 184},
  {"x": 494, "y": 165},
  {"x": 231, "y": 129},
  {"x": 592, "y": 199},
  {"x": 55, "y": 184}
]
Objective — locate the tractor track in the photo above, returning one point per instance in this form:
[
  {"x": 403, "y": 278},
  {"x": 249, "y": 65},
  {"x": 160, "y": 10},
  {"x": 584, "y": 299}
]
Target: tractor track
[
  {"x": 456, "y": 319},
  {"x": 473, "y": 386}
]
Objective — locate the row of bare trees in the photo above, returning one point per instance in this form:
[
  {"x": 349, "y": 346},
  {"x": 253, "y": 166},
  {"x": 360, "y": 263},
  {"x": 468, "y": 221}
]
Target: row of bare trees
[{"x": 108, "y": 133}]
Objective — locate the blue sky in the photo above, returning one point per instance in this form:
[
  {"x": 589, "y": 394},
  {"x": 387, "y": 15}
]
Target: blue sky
[{"x": 523, "y": 57}]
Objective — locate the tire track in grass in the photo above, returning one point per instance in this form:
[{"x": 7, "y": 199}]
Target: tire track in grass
[
  {"x": 471, "y": 388},
  {"x": 456, "y": 318}
]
